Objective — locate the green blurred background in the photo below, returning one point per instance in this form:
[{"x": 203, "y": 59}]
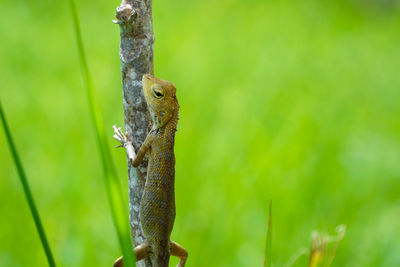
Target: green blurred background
[{"x": 294, "y": 101}]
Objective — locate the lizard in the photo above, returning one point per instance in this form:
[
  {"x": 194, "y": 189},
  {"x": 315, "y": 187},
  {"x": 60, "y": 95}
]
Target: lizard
[{"x": 157, "y": 205}]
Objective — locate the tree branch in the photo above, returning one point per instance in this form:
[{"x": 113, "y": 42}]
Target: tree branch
[{"x": 136, "y": 53}]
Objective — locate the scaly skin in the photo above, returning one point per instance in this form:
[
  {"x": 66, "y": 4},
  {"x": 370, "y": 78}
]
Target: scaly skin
[{"x": 157, "y": 206}]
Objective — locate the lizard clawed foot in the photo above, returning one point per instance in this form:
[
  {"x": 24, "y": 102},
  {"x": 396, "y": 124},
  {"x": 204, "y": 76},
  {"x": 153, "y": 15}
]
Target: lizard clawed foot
[{"x": 120, "y": 137}]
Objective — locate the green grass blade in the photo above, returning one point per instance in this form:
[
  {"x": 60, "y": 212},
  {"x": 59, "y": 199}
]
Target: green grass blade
[
  {"x": 113, "y": 187},
  {"x": 268, "y": 251},
  {"x": 27, "y": 191}
]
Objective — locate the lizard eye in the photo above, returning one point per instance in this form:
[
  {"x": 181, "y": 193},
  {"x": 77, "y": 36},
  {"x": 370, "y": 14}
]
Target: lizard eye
[{"x": 158, "y": 92}]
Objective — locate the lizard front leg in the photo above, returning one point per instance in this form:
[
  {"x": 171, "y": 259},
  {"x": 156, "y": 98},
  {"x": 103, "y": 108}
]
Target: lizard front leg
[{"x": 124, "y": 140}]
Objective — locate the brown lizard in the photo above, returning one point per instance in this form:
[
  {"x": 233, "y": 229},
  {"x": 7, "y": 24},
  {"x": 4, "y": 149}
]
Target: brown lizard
[{"x": 157, "y": 206}]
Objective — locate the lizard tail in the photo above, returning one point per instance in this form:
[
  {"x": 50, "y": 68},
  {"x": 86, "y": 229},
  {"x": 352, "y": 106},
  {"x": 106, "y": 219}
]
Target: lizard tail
[
  {"x": 163, "y": 261},
  {"x": 163, "y": 254}
]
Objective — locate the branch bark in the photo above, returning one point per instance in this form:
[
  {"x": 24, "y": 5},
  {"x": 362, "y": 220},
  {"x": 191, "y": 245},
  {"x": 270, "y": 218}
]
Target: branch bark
[{"x": 136, "y": 53}]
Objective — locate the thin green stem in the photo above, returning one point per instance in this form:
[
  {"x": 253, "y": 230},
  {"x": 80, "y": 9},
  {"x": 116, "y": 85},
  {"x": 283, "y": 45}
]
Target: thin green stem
[
  {"x": 296, "y": 256},
  {"x": 113, "y": 188},
  {"x": 27, "y": 191}
]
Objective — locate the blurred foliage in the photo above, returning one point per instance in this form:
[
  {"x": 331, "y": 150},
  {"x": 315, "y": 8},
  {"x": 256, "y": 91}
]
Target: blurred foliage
[
  {"x": 297, "y": 101},
  {"x": 268, "y": 245},
  {"x": 324, "y": 247}
]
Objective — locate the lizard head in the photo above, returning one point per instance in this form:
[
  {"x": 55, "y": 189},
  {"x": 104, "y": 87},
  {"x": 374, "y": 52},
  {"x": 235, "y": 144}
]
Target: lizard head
[{"x": 161, "y": 100}]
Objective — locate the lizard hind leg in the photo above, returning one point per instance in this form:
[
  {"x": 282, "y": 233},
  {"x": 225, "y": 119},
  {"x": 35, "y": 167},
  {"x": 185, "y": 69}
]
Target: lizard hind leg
[
  {"x": 178, "y": 251},
  {"x": 141, "y": 251}
]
